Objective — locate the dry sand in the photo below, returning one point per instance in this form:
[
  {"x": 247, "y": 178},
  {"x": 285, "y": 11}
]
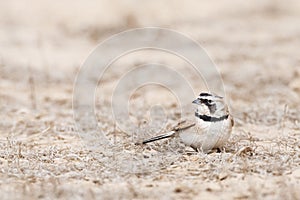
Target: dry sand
[{"x": 255, "y": 46}]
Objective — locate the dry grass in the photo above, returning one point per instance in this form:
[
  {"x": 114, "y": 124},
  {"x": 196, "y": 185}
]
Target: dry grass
[{"x": 256, "y": 49}]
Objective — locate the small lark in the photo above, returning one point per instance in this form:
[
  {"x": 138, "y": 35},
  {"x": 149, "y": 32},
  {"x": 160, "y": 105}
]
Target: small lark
[{"x": 211, "y": 128}]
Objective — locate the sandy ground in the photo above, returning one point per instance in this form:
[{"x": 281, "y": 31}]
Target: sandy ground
[{"x": 255, "y": 46}]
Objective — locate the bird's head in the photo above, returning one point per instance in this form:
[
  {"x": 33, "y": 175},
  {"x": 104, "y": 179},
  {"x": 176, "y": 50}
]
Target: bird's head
[{"x": 211, "y": 105}]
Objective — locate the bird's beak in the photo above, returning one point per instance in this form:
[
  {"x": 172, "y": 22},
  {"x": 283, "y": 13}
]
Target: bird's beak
[{"x": 197, "y": 101}]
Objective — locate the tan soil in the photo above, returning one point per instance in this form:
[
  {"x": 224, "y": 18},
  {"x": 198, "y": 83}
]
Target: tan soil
[{"x": 255, "y": 46}]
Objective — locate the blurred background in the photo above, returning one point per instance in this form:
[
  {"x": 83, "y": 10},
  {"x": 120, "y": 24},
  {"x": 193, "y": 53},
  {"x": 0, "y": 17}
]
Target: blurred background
[
  {"x": 254, "y": 44},
  {"x": 54, "y": 38}
]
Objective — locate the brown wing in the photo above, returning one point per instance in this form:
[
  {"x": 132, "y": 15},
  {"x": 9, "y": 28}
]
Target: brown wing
[{"x": 182, "y": 125}]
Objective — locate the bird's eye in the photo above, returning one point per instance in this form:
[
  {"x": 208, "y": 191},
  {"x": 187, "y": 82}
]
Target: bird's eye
[{"x": 209, "y": 101}]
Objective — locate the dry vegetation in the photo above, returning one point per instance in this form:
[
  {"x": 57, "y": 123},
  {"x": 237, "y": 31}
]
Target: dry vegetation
[{"x": 256, "y": 48}]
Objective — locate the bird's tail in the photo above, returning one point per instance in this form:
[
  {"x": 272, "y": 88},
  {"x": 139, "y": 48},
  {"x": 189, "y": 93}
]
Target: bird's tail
[{"x": 159, "y": 137}]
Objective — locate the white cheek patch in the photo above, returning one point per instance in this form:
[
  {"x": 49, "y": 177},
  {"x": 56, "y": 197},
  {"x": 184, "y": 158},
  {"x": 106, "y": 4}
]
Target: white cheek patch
[{"x": 203, "y": 110}]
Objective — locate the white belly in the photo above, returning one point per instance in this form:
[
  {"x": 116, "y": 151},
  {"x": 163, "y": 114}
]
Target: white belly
[{"x": 207, "y": 135}]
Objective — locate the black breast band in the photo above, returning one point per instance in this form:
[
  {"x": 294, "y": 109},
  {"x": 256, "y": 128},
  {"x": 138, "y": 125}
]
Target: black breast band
[{"x": 211, "y": 119}]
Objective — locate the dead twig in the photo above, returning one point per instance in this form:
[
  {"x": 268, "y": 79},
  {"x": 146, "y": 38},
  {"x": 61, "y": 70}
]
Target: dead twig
[{"x": 31, "y": 83}]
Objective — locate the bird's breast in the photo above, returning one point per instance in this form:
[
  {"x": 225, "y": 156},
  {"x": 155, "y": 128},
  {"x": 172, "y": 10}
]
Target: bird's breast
[{"x": 207, "y": 135}]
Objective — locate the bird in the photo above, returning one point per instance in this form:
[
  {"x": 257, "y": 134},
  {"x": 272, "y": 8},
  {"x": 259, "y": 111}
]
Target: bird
[{"x": 211, "y": 126}]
